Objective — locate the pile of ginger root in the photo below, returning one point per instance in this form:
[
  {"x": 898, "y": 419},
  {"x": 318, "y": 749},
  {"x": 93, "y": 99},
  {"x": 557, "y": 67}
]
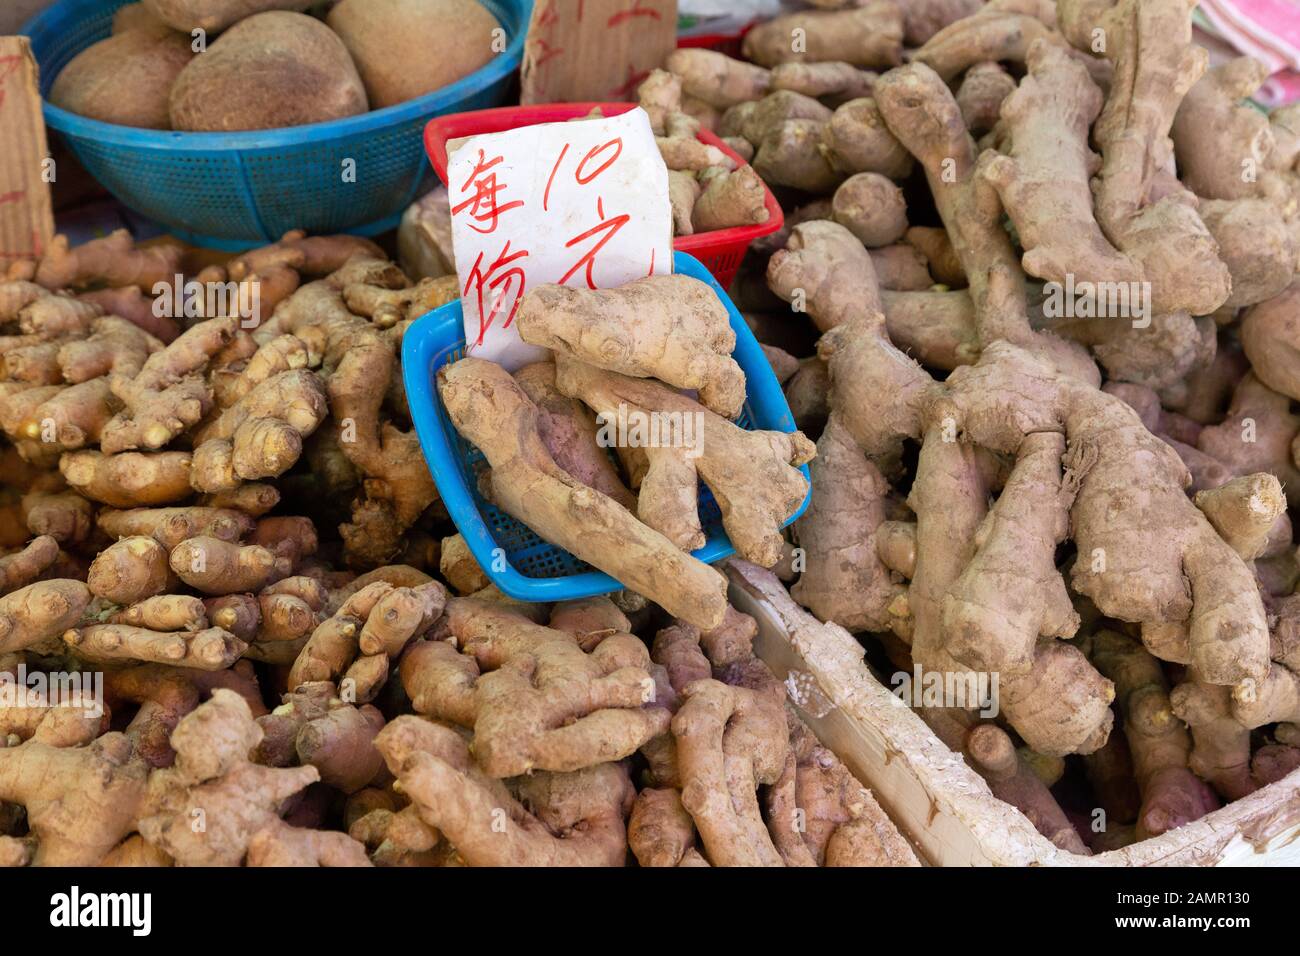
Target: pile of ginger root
[
  {"x": 231, "y": 521},
  {"x": 1085, "y": 495},
  {"x": 238, "y": 628}
]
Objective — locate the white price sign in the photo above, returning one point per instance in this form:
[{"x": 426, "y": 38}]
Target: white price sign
[{"x": 580, "y": 204}]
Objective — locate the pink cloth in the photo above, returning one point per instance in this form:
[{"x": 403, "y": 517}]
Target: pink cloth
[
  {"x": 1268, "y": 30},
  {"x": 1280, "y": 89}
]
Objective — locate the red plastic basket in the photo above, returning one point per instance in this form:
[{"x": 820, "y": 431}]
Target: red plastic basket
[{"x": 721, "y": 250}]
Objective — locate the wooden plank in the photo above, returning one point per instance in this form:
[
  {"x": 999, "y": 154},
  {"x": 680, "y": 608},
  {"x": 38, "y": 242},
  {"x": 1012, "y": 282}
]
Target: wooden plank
[
  {"x": 1262, "y": 829},
  {"x": 595, "y": 50},
  {"x": 941, "y": 805},
  {"x": 26, "y": 208}
]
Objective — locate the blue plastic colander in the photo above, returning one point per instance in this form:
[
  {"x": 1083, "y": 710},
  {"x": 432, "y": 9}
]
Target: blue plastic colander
[
  {"x": 233, "y": 191},
  {"x": 535, "y": 570}
]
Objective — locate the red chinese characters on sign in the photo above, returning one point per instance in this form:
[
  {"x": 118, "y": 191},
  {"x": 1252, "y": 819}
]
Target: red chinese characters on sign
[
  {"x": 8, "y": 66},
  {"x": 583, "y": 204},
  {"x": 635, "y": 11},
  {"x": 543, "y": 33},
  {"x": 499, "y": 289},
  {"x": 484, "y": 203},
  {"x": 599, "y": 50},
  {"x": 633, "y": 83},
  {"x": 592, "y": 238},
  {"x": 499, "y": 286}
]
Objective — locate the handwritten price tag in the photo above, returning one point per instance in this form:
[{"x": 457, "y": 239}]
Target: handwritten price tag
[{"x": 581, "y": 204}]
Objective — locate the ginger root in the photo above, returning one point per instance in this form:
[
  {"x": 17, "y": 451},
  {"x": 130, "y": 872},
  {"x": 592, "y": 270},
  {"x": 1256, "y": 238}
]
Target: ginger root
[
  {"x": 114, "y": 261},
  {"x": 80, "y": 801},
  {"x": 209, "y": 808},
  {"x": 867, "y": 36},
  {"x": 577, "y": 819},
  {"x": 753, "y": 475},
  {"x": 515, "y": 686},
  {"x": 490, "y": 410},
  {"x": 689, "y": 346},
  {"x": 730, "y": 740},
  {"x": 1171, "y": 794}
]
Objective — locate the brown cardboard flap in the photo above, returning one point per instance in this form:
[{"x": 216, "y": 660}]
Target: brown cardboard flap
[
  {"x": 598, "y": 50},
  {"x": 14, "y": 13},
  {"x": 26, "y": 213}
]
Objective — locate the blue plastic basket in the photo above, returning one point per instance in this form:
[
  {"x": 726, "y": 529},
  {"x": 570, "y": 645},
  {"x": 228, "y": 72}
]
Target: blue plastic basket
[
  {"x": 535, "y": 570},
  {"x": 233, "y": 191}
]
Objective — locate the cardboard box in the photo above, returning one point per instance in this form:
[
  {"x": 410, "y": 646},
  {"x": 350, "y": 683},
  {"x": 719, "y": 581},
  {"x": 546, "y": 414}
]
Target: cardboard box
[
  {"x": 14, "y": 13},
  {"x": 581, "y": 51},
  {"x": 26, "y": 211}
]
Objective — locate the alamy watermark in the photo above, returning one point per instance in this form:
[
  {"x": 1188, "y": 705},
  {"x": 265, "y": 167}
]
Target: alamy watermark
[
  {"x": 80, "y": 690},
  {"x": 634, "y": 428},
  {"x": 1099, "y": 300},
  {"x": 965, "y": 690},
  {"x": 199, "y": 300},
  {"x": 133, "y": 911}
]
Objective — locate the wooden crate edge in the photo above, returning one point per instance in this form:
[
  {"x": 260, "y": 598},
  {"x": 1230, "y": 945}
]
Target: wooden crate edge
[
  {"x": 1260, "y": 829},
  {"x": 963, "y": 823},
  {"x": 942, "y": 806}
]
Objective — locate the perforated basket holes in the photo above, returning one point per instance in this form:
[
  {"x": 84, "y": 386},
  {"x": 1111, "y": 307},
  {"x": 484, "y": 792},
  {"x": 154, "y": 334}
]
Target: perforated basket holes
[
  {"x": 338, "y": 184},
  {"x": 526, "y": 552},
  {"x": 173, "y": 187},
  {"x": 724, "y": 263},
  {"x": 71, "y": 38}
]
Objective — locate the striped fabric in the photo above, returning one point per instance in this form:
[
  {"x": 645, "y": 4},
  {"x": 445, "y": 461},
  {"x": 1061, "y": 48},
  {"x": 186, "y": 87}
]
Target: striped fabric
[{"x": 1268, "y": 30}]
